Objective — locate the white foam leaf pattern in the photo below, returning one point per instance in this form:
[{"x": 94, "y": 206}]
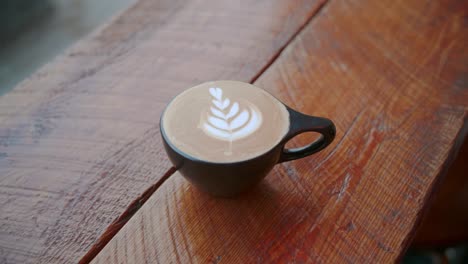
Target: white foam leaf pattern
[
  {"x": 218, "y": 122},
  {"x": 221, "y": 104},
  {"x": 233, "y": 111},
  {"x": 227, "y": 121},
  {"x": 217, "y": 113},
  {"x": 216, "y": 92},
  {"x": 239, "y": 120}
]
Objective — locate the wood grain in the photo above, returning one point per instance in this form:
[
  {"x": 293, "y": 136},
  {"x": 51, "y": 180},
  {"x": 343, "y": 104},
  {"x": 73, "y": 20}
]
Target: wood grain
[
  {"x": 446, "y": 222},
  {"x": 79, "y": 140},
  {"x": 392, "y": 75}
]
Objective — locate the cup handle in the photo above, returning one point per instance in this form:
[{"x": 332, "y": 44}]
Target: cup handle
[{"x": 300, "y": 123}]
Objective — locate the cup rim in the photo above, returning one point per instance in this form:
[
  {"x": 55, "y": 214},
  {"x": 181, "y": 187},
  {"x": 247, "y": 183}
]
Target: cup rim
[{"x": 195, "y": 159}]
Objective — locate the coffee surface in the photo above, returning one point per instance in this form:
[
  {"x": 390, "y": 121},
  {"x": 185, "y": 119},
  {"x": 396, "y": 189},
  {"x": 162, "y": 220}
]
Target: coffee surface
[{"x": 225, "y": 121}]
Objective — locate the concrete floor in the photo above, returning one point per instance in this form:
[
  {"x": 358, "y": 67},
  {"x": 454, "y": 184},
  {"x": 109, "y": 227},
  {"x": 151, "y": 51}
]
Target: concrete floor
[{"x": 34, "y": 34}]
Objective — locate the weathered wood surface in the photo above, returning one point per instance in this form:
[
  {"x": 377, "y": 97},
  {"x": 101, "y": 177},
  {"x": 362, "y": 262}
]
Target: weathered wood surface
[
  {"x": 393, "y": 76},
  {"x": 446, "y": 223},
  {"x": 79, "y": 140}
]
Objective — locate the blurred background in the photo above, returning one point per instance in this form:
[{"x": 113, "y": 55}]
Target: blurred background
[{"x": 33, "y": 32}]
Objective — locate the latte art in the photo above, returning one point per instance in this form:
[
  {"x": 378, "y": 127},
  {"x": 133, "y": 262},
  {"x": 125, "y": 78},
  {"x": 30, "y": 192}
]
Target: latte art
[{"x": 227, "y": 121}]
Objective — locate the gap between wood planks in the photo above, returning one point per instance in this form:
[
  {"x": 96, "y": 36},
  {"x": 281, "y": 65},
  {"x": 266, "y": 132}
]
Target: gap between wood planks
[
  {"x": 453, "y": 154},
  {"x": 134, "y": 206}
]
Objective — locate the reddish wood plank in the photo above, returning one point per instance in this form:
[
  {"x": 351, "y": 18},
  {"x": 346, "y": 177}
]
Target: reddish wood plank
[
  {"x": 392, "y": 75},
  {"x": 79, "y": 141},
  {"x": 446, "y": 222}
]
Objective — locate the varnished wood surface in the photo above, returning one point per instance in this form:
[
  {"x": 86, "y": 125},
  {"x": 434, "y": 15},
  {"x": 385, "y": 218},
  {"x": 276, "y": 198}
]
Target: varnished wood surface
[
  {"x": 79, "y": 140},
  {"x": 392, "y": 75}
]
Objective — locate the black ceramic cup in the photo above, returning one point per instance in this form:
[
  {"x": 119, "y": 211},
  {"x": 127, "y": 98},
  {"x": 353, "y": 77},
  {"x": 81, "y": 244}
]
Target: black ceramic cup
[{"x": 228, "y": 179}]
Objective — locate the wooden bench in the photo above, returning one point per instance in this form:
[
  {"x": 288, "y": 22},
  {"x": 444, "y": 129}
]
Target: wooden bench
[{"x": 83, "y": 174}]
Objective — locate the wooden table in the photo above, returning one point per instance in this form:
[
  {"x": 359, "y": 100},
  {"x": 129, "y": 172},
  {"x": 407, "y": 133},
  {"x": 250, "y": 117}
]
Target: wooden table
[{"x": 84, "y": 175}]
